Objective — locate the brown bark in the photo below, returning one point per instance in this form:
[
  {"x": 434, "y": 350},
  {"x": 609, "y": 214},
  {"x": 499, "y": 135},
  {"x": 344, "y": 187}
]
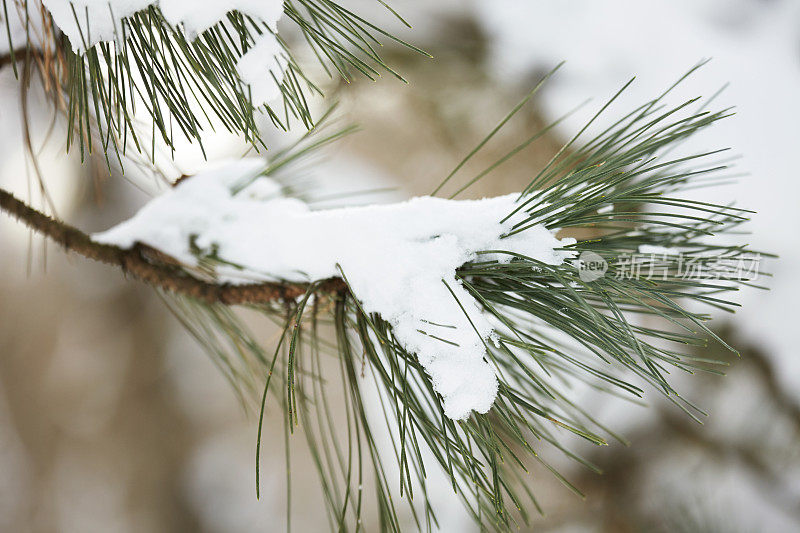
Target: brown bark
[{"x": 154, "y": 267}]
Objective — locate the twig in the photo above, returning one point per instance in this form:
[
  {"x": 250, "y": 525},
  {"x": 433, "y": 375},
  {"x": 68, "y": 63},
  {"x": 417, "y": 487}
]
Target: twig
[
  {"x": 6, "y": 59},
  {"x": 154, "y": 267}
]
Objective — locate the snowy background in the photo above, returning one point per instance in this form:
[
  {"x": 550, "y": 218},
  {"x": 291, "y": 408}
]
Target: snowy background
[{"x": 112, "y": 419}]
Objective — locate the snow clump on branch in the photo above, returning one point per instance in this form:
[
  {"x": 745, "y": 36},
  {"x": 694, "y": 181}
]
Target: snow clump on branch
[{"x": 400, "y": 260}]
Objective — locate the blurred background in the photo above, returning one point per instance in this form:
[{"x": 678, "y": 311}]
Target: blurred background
[{"x": 113, "y": 419}]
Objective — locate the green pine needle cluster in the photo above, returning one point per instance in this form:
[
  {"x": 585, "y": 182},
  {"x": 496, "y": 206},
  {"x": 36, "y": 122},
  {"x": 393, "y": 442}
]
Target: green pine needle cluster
[
  {"x": 189, "y": 86},
  {"x": 618, "y": 334}
]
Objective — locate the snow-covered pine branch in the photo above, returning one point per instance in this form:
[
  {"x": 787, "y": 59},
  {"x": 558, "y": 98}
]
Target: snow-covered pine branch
[
  {"x": 400, "y": 260},
  {"x": 466, "y": 321}
]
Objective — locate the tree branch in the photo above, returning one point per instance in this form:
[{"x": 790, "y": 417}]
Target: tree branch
[
  {"x": 152, "y": 266},
  {"x": 16, "y": 55}
]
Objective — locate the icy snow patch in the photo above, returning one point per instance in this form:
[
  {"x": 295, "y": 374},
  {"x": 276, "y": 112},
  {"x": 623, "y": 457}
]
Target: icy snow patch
[{"x": 400, "y": 259}]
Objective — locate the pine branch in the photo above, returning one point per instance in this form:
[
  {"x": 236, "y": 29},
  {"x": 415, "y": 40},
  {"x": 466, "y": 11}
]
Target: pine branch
[
  {"x": 152, "y": 266},
  {"x": 619, "y": 191},
  {"x": 6, "y": 59}
]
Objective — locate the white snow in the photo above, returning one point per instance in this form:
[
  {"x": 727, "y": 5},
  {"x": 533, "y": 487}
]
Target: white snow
[
  {"x": 657, "y": 250},
  {"x": 197, "y": 17},
  {"x": 88, "y": 22},
  {"x": 398, "y": 258},
  {"x": 257, "y": 67}
]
